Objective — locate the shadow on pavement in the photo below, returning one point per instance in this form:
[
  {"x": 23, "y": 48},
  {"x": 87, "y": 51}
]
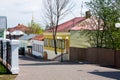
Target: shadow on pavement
[
  {"x": 29, "y": 58},
  {"x": 48, "y": 63},
  {"x": 111, "y": 74},
  {"x": 42, "y": 62}
]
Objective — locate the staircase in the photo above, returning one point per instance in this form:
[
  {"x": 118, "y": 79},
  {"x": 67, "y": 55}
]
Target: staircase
[{"x": 58, "y": 58}]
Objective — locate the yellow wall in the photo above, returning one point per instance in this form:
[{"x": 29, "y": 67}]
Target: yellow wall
[{"x": 63, "y": 35}]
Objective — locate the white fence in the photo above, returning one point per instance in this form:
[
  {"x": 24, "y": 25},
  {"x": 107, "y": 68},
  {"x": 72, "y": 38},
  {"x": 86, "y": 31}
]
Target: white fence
[{"x": 9, "y": 54}]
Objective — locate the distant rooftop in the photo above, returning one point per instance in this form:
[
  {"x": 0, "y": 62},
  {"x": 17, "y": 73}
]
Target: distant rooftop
[
  {"x": 38, "y": 37},
  {"x": 88, "y": 24},
  {"x": 19, "y": 27},
  {"x": 66, "y": 26},
  {"x": 27, "y": 37}
]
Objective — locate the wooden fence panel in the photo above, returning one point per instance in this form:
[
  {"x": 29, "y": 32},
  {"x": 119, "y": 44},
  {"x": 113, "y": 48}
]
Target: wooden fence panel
[
  {"x": 77, "y": 54},
  {"x": 118, "y": 59}
]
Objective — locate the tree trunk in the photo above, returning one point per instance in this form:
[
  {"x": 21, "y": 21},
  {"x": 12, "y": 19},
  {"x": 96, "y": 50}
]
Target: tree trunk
[{"x": 55, "y": 46}]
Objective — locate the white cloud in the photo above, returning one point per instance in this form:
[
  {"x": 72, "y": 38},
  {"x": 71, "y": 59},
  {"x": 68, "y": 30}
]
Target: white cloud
[
  {"x": 16, "y": 10},
  {"x": 20, "y": 11},
  {"x": 30, "y": 9},
  {"x": 2, "y": 9},
  {"x": 21, "y": 5}
]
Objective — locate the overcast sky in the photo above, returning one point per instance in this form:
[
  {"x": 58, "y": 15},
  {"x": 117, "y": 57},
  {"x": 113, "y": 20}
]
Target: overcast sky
[{"x": 20, "y": 11}]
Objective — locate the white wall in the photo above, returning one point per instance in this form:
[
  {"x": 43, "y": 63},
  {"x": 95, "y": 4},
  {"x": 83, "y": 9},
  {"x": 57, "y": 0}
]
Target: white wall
[
  {"x": 37, "y": 47},
  {"x": 24, "y": 43},
  {"x": 51, "y": 55}
]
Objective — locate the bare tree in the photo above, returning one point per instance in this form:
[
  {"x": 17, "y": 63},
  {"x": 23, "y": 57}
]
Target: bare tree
[{"x": 55, "y": 10}]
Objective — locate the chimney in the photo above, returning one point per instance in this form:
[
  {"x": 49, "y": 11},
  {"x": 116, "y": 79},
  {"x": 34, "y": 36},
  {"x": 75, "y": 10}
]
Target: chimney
[
  {"x": 88, "y": 14},
  {"x": 18, "y": 24}
]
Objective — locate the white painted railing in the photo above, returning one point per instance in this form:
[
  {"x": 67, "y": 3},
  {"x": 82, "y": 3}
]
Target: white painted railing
[{"x": 9, "y": 54}]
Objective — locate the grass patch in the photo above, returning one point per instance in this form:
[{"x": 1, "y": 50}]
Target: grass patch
[
  {"x": 5, "y": 73},
  {"x": 7, "y": 77},
  {"x": 3, "y": 69}
]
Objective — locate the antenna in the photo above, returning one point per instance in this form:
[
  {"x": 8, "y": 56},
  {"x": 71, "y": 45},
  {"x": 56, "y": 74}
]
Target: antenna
[
  {"x": 81, "y": 8},
  {"x": 72, "y": 14},
  {"x": 32, "y": 17},
  {"x": 32, "y": 20}
]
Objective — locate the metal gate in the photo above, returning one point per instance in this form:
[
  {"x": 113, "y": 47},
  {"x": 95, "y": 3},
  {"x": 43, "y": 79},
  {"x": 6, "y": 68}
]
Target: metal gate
[
  {"x": 8, "y": 53},
  {"x": 1, "y": 49}
]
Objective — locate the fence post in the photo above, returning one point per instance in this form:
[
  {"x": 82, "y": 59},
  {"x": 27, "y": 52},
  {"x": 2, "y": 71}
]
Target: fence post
[
  {"x": 4, "y": 52},
  {"x": 1, "y": 49},
  {"x": 14, "y": 58}
]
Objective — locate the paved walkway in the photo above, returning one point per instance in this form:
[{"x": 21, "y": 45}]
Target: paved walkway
[{"x": 33, "y": 69}]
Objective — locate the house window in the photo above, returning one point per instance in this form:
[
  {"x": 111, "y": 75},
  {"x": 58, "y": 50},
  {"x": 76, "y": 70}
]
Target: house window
[
  {"x": 37, "y": 48},
  {"x": 40, "y": 48},
  {"x": 52, "y": 43},
  {"x": 61, "y": 44},
  {"x": 50, "y": 40},
  {"x": 46, "y": 42}
]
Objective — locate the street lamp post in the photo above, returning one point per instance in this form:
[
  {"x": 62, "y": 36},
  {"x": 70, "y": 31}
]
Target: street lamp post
[{"x": 117, "y": 25}]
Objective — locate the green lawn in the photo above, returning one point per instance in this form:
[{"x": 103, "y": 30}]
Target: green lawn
[{"x": 5, "y": 74}]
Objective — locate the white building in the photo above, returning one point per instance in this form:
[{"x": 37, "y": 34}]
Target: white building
[{"x": 37, "y": 46}]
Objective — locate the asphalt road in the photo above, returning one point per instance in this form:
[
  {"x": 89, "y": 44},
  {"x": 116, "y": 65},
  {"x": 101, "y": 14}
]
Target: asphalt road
[{"x": 35, "y": 69}]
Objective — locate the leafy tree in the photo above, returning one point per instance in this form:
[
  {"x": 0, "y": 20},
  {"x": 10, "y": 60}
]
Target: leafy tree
[
  {"x": 108, "y": 12},
  {"x": 34, "y": 28}
]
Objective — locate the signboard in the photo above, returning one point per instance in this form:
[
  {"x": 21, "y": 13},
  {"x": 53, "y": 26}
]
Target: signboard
[
  {"x": 3, "y": 26},
  {"x": 3, "y": 22}
]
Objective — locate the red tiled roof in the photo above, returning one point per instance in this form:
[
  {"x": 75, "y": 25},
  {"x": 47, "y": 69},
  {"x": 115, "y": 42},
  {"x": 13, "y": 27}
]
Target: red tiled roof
[
  {"x": 88, "y": 24},
  {"x": 38, "y": 37},
  {"x": 65, "y": 27},
  {"x": 20, "y": 27}
]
